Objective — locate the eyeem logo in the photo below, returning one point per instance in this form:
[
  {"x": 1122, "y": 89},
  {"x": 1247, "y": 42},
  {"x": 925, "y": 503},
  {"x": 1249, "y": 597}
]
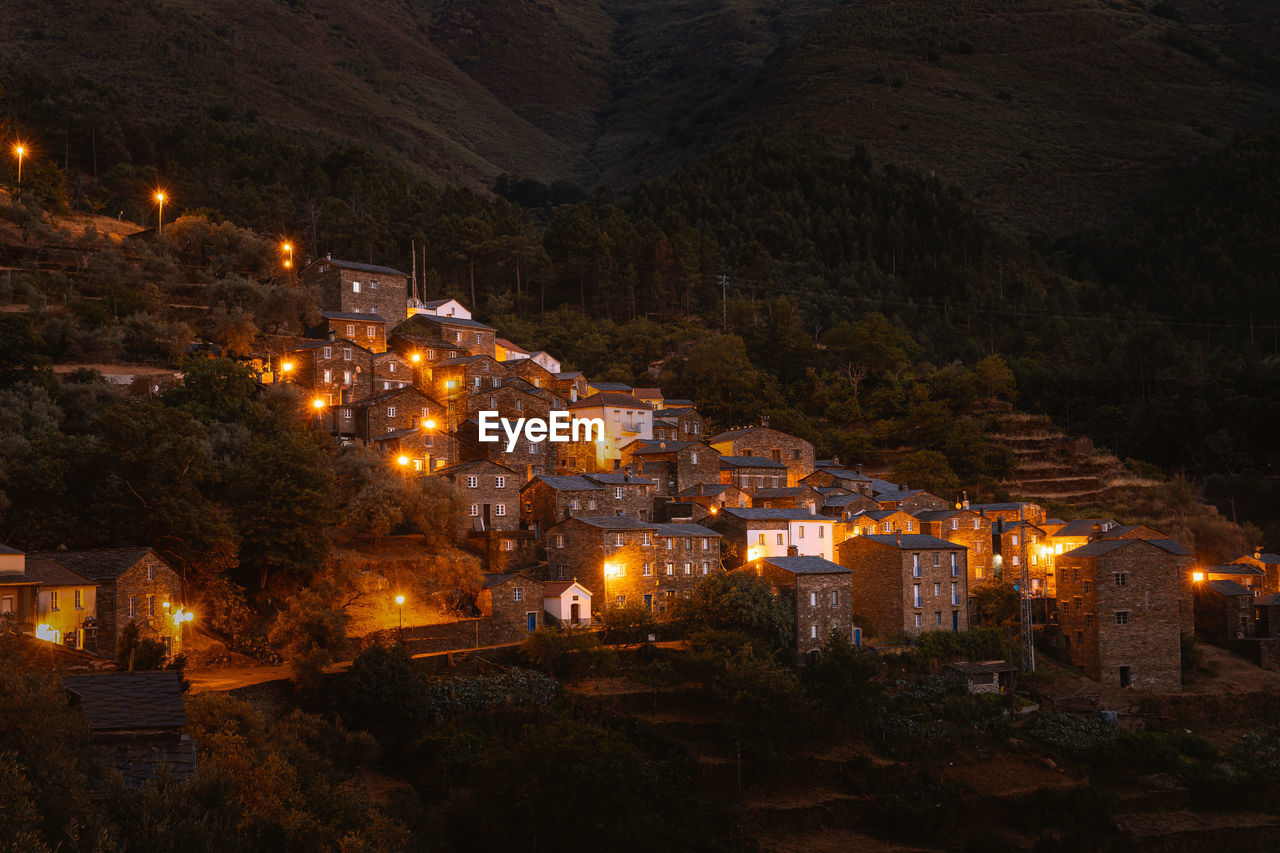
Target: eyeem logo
[{"x": 560, "y": 428}]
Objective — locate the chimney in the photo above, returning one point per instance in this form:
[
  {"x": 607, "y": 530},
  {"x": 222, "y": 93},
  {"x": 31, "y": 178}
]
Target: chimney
[
  {"x": 1096, "y": 534},
  {"x": 764, "y": 420},
  {"x": 899, "y": 538},
  {"x": 793, "y": 551},
  {"x": 1257, "y": 553},
  {"x": 328, "y": 256},
  {"x": 332, "y": 334},
  {"x": 983, "y": 512},
  {"x": 859, "y": 468}
]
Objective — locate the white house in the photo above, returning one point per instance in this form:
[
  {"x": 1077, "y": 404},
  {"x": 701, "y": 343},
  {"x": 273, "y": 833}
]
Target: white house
[
  {"x": 626, "y": 419},
  {"x": 761, "y": 533},
  {"x": 567, "y": 603},
  {"x": 439, "y": 308}
]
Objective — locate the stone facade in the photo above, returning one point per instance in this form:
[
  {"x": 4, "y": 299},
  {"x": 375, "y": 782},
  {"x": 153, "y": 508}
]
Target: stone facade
[
  {"x": 854, "y": 482},
  {"x": 752, "y": 472},
  {"x": 1224, "y": 611},
  {"x": 349, "y": 287},
  {"x": 514, "y": 604},
  {"x": 905, "y": 585},
  {"x": 791, "y": 497},
  {"x": 1122, "y": 607},
  {"x": 528, "y": 459},
  {"x": 676, "y": 465},
  {"x": 391, "y": 411},
  {"x": 790, "y": 450},
  {"x": 334, "y": 372},
  {"x": 647, "y": 562},
  {"x": 508, "y": 402},
  {"x": 503, "y": 550},
  {"x": 453, "y": 382},
  {"x": 547, "y": 500},
  {"x": 822, "y": 592},
  {"x": 391, "y": 370},
  {"x": 968, "y": 528},
  {"x": 490, "y": 495},
  {"x": 367, "y": 330},
  {"x": 1270, "y": 566}
]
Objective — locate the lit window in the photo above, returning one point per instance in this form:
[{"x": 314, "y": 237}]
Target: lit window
[
  {"x": 780, "y": 539},
  {"x": 133, "y": 606},
  {"x": 351, "y": 330},
  {"x": 369, "y": 333},
  {"x": 391, "y": 411},
  {"x": 559, "y": 540},
  {"x": 53, "y": 599},
  {"x": 355, "y": 287},
  {"x": 517, "y": 594}
]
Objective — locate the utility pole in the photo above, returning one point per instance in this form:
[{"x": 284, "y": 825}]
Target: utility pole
[
  {"x": 1028, "y": 630},
  {"x": 724, "y": 304}
]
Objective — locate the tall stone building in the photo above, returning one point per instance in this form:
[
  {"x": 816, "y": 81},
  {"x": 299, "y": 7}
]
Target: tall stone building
[
  {"x": 907, "y": 584},
  {"x": 1123, "y": 605},
  {"x": 822, "y": 592},
  {"x": 349, "y": 287}
]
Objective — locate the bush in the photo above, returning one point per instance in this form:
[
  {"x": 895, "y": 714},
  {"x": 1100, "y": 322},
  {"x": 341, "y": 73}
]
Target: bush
[
  {"x": 568, "y": 654},
  {"x": 383, "y": 695},
  {"x": 843, "y": 680},
  {"x": 974, "y": 644},
  {"x": 519, "y": 688}
]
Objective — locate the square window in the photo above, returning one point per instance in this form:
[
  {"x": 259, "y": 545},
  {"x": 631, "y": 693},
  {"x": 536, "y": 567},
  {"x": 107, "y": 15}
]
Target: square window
[{"x": 1122, "y": 617}]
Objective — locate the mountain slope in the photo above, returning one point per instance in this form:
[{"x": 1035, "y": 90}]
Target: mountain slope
[{"x": 1052, "y": 113}]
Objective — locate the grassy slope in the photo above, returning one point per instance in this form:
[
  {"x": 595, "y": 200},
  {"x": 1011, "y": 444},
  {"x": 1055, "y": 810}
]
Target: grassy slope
[{"x": 1050, "y": 112}]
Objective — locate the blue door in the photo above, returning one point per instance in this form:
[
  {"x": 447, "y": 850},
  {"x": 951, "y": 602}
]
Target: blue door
[
  {"x": 532, "y": 619},
  {"x": 648, "y": 601},
  {"x": 955, "y": 620},
  {"x": 857, "y": 636}
]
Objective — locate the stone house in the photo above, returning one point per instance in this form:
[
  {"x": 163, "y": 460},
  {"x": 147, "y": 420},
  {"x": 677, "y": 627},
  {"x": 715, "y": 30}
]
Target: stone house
[
  {"x": 135, "y": 722},
  {"x": 839, "y": 505},
  {"x": 1011, "y": 511},
  {"x": 752, "y": 472},
  {"x": 771, "y": 444},
  {"x": 1123, "y": 605},
  {"x": 822, "y": 592},
  {"x": 456, "y": 331},
  {"x": 566, "y": 603},
  {"x": 714, "y": 497},
  {"x": 439, "y": 308},
  {"x": 528, "y": 458},
  {"x": 513, "y": 603},
  {"x": 1247, "y": 576},
  {"x": 1267, "y": 616},
  {"x": 1224, "y": 610},
  {"x": 391, "y": 370},
  {"x": 453, "y": 382},
  {"x": 676, "y": 465},
  {"x": 530, "y": 371},
  {"x": 425, "y": 451},
  {"x": 423, "y": 351},
  {"x": 503, "y": 550},
  {"x": 853, "y": 482},
  {"x": 334, "y": 372},
  {"x": 547, "y": 500},
  {"x": 966, "y": 527},
  {"x": 572, "y": 385},
  {"x": 355, "y": 288},
  {"x": 905, "y": 584},
  {"x": 367, "y": 330},
  {"x": 1270, "y": 566},
  {"x": 789, "y": 497},
  {"x": 689, "y": 425},
  {"x": 392, "y": 411},
  {"x": 490, "y": 495},
  {"x": 751, "y": 534},
  {"x": 1013, "y": 542},
  {"x": 627, "y": 560},
  {"x": 881, "y": 521},
  {"x": 133, "y": 585},
  {"x": 509, "y": 401},
  {"x": 890, "y": 496}
]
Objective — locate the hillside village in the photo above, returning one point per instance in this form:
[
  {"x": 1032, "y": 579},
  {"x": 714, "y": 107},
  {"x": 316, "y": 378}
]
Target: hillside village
[{"x": 638, "y": 517}]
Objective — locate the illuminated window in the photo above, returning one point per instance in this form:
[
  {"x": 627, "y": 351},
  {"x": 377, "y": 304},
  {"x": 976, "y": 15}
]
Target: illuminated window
[
  {"x": 133, "y": 606},
  {"x": 328, "y": 352},
  {"x": 355, "y": 287},
  {"x": 559, "y": 540},
  {"x": 79, "y": 603},
  {"x": 53, "y": 599},
  {"x": 351, "y": 330},
  {"x": 517, "y": 594},
  {"x": 391, "y": 411}
]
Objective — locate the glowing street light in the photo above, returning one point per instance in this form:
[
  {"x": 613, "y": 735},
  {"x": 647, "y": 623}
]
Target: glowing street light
[
  {"x": 287, "y": 248},
  {"x": 160, "y": 197},
  {"x": 402, "y": 461},
  {"x": 1197, "y": 576},
  {"x": 416, "y": 357},
  {"x": 400, "y": 604},
  {"x": 286, "y": 367},
  {"x": 181, "y": 616},
  {"x": 19, "y": 151},
  {"x": 428, "y": 423},
  {"x": 317, "y": 404}
]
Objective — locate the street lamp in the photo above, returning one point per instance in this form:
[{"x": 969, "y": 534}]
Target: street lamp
[
  {"x": 20, "y": 151},
  {"x": 160, "y": 201},
  {"x": 400, "y": 604},
  {"x": 318, "y": 405},
  {"x": 287, "y": 248},
  {"x": 416, "y": 357},
  {"x": 428, "y": 423},
  {"x": 286, "y": 367}
]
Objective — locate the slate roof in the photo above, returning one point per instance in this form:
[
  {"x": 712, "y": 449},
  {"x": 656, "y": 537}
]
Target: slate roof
[
  {"x": 781, "y": 492},
  {"x": 1235, "y": 569},
  {"x": 705, "y": 490},
  {"x": 731, "y": 434},
  {"x": 97, "y": 564},
  {"x": 394, "y": 434},
  {"x": 1082, "y": 527},
  {"x": 844, "y": 474},
  {"x": 678, "y": 403},
  {"x": 568, "y": 482},
  {"x": 763, "y": 514},
  {"x": 912, "y": 541},
  {"x": 359, "y": 267},
  {"x": 463, "y": 359},
  {"x": 873, "y": 514},
  {"x": 383, "y": 395},
  {"x": 569, "y": 374},
  {"x": 644, "y": 446},
  {"x": 1106, "y": 546},
  {"x": 1272, "y": 600},
  {"x": 1228, "y": 587},
  {"x": 940, "y": 514},
  {"x": 326, "y": 343},
  {"x": 51, "y": 573},
  {"x": 807, "y": 565},
  {"x": 351, "y": 315},
  {"x": 668, "y": 412},
  {"x": 5, "y": 549},
  {"x": 609, "y": 398},
  {"x": 618, "y": 478},
  {"x": 16, "y": 579},
  {"x": 749, "y": 462},
  {"x": 450, "y": 321},
  {"x": 616, "y": 387},
  {"x": 677, "y": 529},
  {"x": 1269, "y": 559},
  {"x": 614, "y": 522},
  {"x": 475, "y": 463},
  {"x": 125, "y": 701},
  {"x": 492, "y": 579},
  {"x": 435, "y": 303},
  {"x": 845, "y": 500}
]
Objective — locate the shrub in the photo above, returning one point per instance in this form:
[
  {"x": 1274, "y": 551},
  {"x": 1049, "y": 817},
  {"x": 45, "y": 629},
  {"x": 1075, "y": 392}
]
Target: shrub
[
  {"x": 568, "y": 653},
  {"x": 520, "y": 688},
  {"x": 974, "y": 644},
  {"x": 843, "y": 680}
]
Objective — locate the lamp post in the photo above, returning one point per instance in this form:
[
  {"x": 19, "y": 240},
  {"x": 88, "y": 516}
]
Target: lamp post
[
  {"x": 20, "y": 151},
  {"x": 160, "y": 201},
  {"x": 287, "y": 248},
  {"x": 400, "y": 604},
  {"x": 403, "y": 461},
  {"x": 318, "y": 405}
]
